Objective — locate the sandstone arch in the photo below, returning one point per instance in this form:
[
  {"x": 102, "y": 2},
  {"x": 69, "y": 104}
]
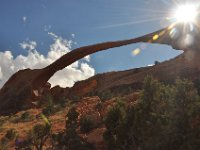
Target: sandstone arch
[{"x": 19, "y": 89}]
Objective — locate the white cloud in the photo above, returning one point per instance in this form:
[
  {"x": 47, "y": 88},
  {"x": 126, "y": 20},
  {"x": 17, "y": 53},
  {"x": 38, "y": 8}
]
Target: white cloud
[
  {"x": 28, "y": 45},
  {"x": 87, "y": 69},
  {"x": 60, "y": 44},
  {"x": 73, "y": 35},
  {"x": 87, "y": 58},
  {"x": 24, "y": 18},
  {"x": 150, "y": 65},
  {"x": 34, "y": 60}
]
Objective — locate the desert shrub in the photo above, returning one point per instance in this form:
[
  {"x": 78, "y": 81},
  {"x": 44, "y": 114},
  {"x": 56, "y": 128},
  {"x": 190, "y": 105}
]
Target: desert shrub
[
  {"x": 50, "y": 108},
  {"x": 26, "y": 116},
  {"x": 63, "y": 101},
  {"x": 11, "y": 134},
  {"x": 3, "y": 120},
  {"x": 113, "y": 118},
  {"x": 92, "y": 93},
  {"x": 4, "y": 143},
  {"x": 86, "y": 124},
  {"x": 71, "y": 118},
  {"x": 105, "y": 95},
  {"x": 75, "y": 97}
]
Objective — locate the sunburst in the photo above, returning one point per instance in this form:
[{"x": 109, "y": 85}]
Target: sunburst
[{"x": 186, "y": 13}]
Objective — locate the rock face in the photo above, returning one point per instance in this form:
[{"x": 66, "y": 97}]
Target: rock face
[
  {"x": 185, "y": 65},
  {"x": 21, "y": 89},
  {"x": 59, "y": 94},
  {"x": 82, "y": 88}
]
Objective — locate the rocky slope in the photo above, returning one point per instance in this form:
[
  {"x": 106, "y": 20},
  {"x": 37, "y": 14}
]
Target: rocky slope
[{"x": 85, "y": 107}]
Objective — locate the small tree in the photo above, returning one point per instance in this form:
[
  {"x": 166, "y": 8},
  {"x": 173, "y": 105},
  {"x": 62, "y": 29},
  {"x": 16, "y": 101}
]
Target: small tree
[
  {"x": 186, "y": 109},
  {"x": 156, "y": 62},
  {"x": 71, "y": 118},
  {"x": 152, "y": 114},
  {"x": 119, "y": 128},
  {"x": 39, "y": 135},
  {"x": 70, "y": 140},
  {"x": 86, "y": 124}
]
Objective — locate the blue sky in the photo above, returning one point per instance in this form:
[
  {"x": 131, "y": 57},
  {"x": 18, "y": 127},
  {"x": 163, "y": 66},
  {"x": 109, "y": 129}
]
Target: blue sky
[{"x": 91, "y": 21}]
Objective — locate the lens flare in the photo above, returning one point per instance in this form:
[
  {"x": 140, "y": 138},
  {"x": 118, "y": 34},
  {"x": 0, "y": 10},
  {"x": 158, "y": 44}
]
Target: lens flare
[
  {"x": 155, "y": 37},
  {"x": 186, "y": 13},
  {"x": 136, "y": 51}
]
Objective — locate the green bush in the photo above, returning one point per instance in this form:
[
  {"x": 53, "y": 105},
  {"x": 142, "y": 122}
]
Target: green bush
[
  {"x": 119, "y": 124},
  {"x": 26, "y": 116},
  {"x": 165, "y": 114},
  {"x": 49, "y": 110},
  {"x": 105, "y": 95},
  {"x": 69, "y": 139},
  {"x": 86, "y": 124},
  {"x": 166, "y": 117}
]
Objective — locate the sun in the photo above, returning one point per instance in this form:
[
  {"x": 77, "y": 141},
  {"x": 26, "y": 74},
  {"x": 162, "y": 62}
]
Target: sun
[{"x": 186, "y": 13}]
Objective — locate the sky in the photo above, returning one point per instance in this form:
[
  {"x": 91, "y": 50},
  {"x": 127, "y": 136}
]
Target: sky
[{"x": 34, "y": 33}]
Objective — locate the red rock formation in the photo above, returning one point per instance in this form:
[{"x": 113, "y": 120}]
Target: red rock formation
[
  {"x": 59, "y": 92},
  {"x": 18, "y": 91}
]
